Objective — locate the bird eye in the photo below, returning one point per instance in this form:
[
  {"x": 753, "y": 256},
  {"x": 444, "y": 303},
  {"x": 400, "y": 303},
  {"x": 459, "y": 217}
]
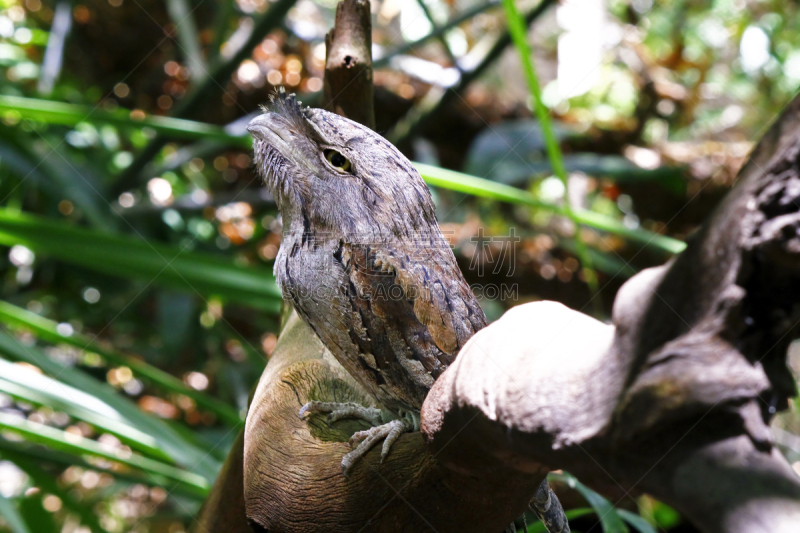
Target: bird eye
[{"x": 337, "y": 160}]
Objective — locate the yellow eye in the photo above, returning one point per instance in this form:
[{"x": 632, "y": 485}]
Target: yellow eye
[{"x": 337, "y": 160}]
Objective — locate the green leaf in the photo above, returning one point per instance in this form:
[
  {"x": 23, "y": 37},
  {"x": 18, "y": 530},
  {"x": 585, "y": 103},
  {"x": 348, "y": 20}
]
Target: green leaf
[
  {"x": 132, "y": 257},
  {"x": 43, "y": 167},
  {"x": 12, "y": 516},
  {"x": 29, "y": 386},
  {"x": 538, "y": 527},
  {"x": 53, "y": 112},
  {"x": 636, "y": 521},
  {"x": 47, "y": 330},
  {"x": 518, "y": 30},
  {"x": 48, "y": 484},
  {"x": 43, "y": 455},
  {"x": 664, "y": 516},
  {"x": 182, "y": 15},
  {"x": 74, "y": 444},
  {"x": 457, "y": 181},
  {"x": 609, "y": 516},
  {"x": 169, "y": 441}
]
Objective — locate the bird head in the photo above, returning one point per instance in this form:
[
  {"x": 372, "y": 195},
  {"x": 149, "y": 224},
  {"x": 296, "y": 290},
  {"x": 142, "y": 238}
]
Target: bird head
[{"x": 336, "y": 174}]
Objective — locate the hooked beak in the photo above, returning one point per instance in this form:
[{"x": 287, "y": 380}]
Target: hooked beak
[{"x": 270, "y": 129}]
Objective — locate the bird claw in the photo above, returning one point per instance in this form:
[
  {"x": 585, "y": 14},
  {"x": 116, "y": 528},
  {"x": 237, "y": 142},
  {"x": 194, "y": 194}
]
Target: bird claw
[
  {"x": 388, "y": 432},
  {"x": 365, "y": 440},
  {"x": 339, "y": 411}
]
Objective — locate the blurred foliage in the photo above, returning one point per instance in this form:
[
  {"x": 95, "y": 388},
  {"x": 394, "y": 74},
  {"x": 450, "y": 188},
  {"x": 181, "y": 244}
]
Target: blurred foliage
[{"x": 138, "y": 305}]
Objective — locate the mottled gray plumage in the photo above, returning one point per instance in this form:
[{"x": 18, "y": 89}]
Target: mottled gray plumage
[
  {"x": 362, "y": 258},
  {"x": 363, "y": 261}
]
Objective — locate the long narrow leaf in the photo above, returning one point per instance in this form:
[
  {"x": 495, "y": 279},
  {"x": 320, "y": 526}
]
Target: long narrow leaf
[
  {"x": 48, "y": 484},
  {"x": 183, "y": 17},
  {"x": 45, "y": 455},
  {"x": 54, "y": 53},
  {"x": 12, "y": 516},
  {"x": 75, "y": 444},
  {"x": 608, "y": 515},
  {"x": 636, "y": 521},
  {"x": 53, "y": 112},
  {"x": 177, "y": 448},
  {"x": 519, "y": 34},
  {"x": 42, "y": 166},
  {"x": 48, "y": 330},
  {"x": 27, "y": 385},
  {"x": 135, "y": 258},
  {"x": 458, "y": 181}
]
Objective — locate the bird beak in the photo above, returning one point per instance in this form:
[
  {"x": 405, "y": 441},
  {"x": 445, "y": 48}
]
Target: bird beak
[
  {"x": 259, "y": 127},
  {"x": 270, "y": 129}
]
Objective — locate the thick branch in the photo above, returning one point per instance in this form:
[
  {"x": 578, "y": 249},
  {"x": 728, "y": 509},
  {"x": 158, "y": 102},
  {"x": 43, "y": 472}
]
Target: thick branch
[
  {"x": 675, "y": 399},
  {"x": 223, "y": 509}
]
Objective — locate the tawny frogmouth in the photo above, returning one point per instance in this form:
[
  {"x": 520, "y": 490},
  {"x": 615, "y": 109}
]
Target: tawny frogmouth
[{"x": 364, "y": 262}]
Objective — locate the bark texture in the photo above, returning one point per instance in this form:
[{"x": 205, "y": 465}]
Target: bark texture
[
  {"x": 675, "y": 397},
  {"x": 224, "y": 509}
]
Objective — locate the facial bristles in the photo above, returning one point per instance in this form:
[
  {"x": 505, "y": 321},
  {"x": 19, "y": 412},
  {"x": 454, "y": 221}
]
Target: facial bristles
[{"x": 285, "y": 103}]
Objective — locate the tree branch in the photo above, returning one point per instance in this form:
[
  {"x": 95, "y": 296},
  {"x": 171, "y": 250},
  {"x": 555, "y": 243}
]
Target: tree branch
[
  {"x": 348, "y": 88},
  {"x": 223, "y": 509},
  {"x": 675, "y": 398},
  {"x": 293, "y": 475}
]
